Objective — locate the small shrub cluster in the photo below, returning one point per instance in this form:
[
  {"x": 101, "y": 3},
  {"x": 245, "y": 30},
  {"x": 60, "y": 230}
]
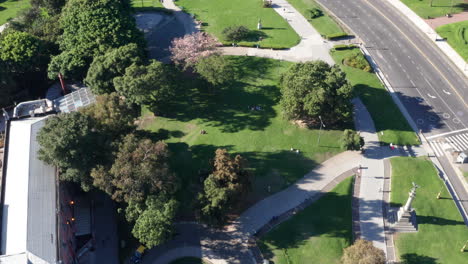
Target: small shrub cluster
[
  {"x": 236, "y": 33},
  {"x": 344, "y": 47},
  {"x": 315, "y": 12},
  {"x": 267, "y": 3},
  {"x": 351, "y": 140},
  {"x": 357, "y": 61},
  {"x": 336, "y": 35}
]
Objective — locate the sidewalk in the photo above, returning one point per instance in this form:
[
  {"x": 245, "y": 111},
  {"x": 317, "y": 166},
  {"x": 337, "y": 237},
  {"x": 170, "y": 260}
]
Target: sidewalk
[
  {"x": 440, "y": 21},
  {"x": 432, "y": 35}
]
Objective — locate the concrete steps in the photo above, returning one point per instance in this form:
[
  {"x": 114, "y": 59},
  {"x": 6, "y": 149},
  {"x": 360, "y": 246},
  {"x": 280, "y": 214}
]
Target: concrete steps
[{"x": 406, "y": 224}]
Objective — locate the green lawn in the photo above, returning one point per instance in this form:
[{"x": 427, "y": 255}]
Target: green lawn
[
  {"x": 439, "y": 7},
  {"x": 386, "y": 115},
  {"x": 317, "y": 234},
  {"x": 442, "y": 231},
  {"x": 263, "y": 137},
  {"x": 325, "y": 25},
  {"x": 9, "y": 9},
  {"x": 219, "y": 14},
  {"x": 457, "y": 37}
]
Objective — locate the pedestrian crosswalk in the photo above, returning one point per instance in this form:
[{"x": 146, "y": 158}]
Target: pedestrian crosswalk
[{"x": 457, "y": 142}]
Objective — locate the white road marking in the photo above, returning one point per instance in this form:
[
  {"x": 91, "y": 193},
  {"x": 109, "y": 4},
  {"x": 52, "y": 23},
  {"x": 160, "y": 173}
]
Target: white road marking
[
  {"x": 447, "y": 133},
  {"x": 446, "y": 92},
  {"x": 438, "y": 151},
  {"x": 431, "y": 96}
]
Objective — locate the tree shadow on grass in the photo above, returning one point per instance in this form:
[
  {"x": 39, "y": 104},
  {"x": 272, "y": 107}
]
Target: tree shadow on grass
[
  {"x": 329, "y": 217},
  {"x": 417, "y": 259}
]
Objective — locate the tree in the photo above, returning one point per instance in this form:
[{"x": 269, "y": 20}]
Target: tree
[
  {"x": 21, "y": 52},
  {"x": 351, "y": 140},
  {"x": 90, "y": 28},
  {"x": 8, "y": 87},
  {"x": 68, "y": 142},
  {"x": 223, "y": 187},
  {"x": 314, "y": 89},
  {"x": 140, "y": 169},
  {"x": 363, "y": 252},
  {"x": 113, "y": 63},
  {"x": 152, "y": 84},
  {"x": 154, "y": 225},
  {"x": 236, "y": 33},
  {"x": 186, "y": 51},
  {"x": 111, "y": 114},
  {"x": 214, "y": 69},
  {"x": 69, "y": 64}
]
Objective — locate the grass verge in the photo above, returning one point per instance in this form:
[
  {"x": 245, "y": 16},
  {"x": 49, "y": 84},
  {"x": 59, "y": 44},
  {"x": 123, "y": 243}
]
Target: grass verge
[
  {"x": 9, "y": 9},
  {"x": 324, "y": 24},
  {"x": 442, "y": 231},
  {"x": 438, "y": 8},
  {"x": 457, "y": 36},
  {"x": 391, "y": 125},
  {"x": 317, "y": 234},
  {"x": 263, "y": 137},
  {"x": 217, "y": 15}
]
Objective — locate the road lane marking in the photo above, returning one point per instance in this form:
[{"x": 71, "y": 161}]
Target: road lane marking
[
  {"x": 420, "y": 51},
  {"x": 446, "y": 92},
  {"x": 431, "y": 96},
  {"x": 447, "y": 133}
]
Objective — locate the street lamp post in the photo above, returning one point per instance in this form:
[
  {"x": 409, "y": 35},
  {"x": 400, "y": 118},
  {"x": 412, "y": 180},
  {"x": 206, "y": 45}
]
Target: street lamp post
[{"x": 320, "y": 131}]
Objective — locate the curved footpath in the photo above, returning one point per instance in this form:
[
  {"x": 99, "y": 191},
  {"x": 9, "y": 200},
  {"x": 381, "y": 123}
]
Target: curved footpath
[{"x": 311, "y": 47}]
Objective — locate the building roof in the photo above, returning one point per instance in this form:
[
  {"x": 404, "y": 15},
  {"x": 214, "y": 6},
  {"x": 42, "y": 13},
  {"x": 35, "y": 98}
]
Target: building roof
[
  {"x": 29, "y": 211},
  {"x": 74, "y": 100}
]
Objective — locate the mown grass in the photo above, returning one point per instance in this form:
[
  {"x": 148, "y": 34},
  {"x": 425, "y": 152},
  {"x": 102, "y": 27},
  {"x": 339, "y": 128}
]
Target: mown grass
[
  {"x": 391, "y": 125},
  {"x": 263, "y": 137},
  {"x": 441, "y": 230},
  {"x": 219, "y": 14},
  {"x": 325, "y": 25},
  {"x": 438, "y": 8},
  {"x": 457, "y": 36},
  {"x": 146, "y": 3},
  {"x": 317, "y": 234},
  {"x": 9, "y": 9}
]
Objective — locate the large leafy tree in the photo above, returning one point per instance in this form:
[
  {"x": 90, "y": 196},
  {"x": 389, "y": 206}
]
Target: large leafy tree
[
  {"x": 140, "y": 169},
  {"x": 223, "y": 187},
  {"x": 363, "y": 252},
  {"x": 111, "y": 64},
  {"x": 186, "y": 51},
  {"x": 153, "y": 226},
  {"x": 111, "y": 114},
  {"x": 68, "y": 142},
  {"x": 90, "y": 28},
  {"x": 152, "y": 84},
  {"x": 314, "y": 89},
  {"x": 215, "y": 69},
  {"x": 21, "y": 52}
]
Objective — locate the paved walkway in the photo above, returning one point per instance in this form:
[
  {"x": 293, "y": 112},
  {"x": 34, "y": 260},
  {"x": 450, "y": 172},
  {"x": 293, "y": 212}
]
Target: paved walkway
[
  {"x": 311, "y": 47},
  {"x": 431, "y": 34},
  {"x": 440, "y": 21}
]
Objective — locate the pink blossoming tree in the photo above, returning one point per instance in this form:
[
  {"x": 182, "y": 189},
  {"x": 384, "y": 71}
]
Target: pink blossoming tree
[{"x": 186, "y": 51}]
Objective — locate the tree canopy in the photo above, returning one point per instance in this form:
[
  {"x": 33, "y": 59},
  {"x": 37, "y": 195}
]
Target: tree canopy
[
  {"x": 111, "y": 64},
  {"x": 139, "y": 170},
  {"x": 152, "y": 84},
  {"x": 223, "y": 187},
  {"x": 68, "y": 142},
  {"x": 314, "y": 89},
  {"x": 186, "y": 51},
  {"x": 363, "y": 252},
  {"x": 90, "y": 28},
  {"x": 21, "y": 51},
  {"x": 154, "y": 224},
  {"x": 215, "y": 69}
]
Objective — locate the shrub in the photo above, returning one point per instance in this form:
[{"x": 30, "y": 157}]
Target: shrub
[
  {"x": 315, "y": 12},
  {"x": 357, "y": 61},
  {"x": 351, "y": 140},
  {"x": 236, "y": 33},
  {"x": 363, "y": 252},
  {"x": 336, "y": 35},
  {"x": 267, "y": 3}
]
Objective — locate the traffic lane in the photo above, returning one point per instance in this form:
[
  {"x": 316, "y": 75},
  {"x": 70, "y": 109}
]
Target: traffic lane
[
  {"x": 437, "y": 57},
  {"x": 366, "y": 25}
]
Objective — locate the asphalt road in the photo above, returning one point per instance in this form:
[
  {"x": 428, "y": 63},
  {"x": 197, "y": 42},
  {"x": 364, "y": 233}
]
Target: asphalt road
[{"x": 432, "y": 89}]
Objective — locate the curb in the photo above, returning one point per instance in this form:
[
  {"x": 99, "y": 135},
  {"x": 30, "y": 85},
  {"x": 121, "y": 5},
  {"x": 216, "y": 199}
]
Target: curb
[{"x": 432, "y": 35}]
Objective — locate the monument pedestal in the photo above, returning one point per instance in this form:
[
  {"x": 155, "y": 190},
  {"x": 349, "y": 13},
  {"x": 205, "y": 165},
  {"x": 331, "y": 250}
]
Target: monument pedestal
[{"x": 402, "y": 220}]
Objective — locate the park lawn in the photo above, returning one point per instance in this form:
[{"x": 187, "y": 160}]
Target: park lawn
[
  {"x": 457, "y": 36},
  {"x": 442, "y": 231},
  {"x": 146, "y": 3},
  {"x": 439, "y": 7},
  {"x": 263, "y": 137},
  {"x": 390, "y": 123},
  {"x": 219, "y": 14},
  {"x": 325, "y": 25},
  {"x": 317, "y": 234},
  {"x": 9, "y": 9}
]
